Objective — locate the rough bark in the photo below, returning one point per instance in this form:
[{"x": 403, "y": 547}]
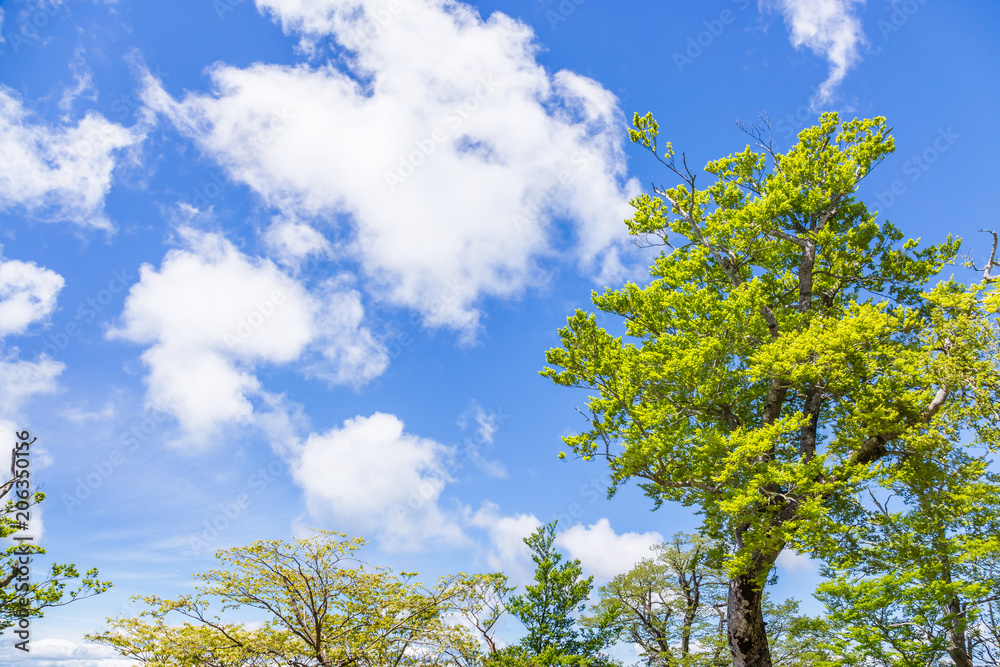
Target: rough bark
[
  {"x": 958, "y": 649},
  {"x": 745, "y": 621}
]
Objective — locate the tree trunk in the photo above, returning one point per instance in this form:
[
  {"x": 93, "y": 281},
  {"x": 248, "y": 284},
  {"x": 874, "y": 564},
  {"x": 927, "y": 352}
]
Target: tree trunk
[
  {"x": 745, "y": 621},
  {"x": 958, "y": 650}
]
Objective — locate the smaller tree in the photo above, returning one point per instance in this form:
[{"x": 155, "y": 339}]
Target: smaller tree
[
  {"x": 550, "y": 607},
  {"x": 673, "y": 607},
  {"x": 666, "y": 603},
  {"x": 19, "y": 597},
  {"x": 482, "y": 604},
  {"x": 920, "y": 584},
  {"x": 322, "y": 607}
]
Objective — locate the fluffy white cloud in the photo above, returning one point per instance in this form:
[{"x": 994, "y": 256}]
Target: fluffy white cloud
[
  {"x": 603, "y": 552},
  {"x": 507, "y": 553},
  {"x": 448, "y": 151},
  {"x": 828, "y": 28},
  {"x": 27, "y": 294},
  {"x": 350, "y": 353},
  {"x": 372, "y": 475},
  {"x": 211, "y": 314},
  {"x": 57, "y": 172}
]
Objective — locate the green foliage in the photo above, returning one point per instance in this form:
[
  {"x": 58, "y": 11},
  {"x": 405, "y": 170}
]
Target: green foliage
[
  {"x": 511, "y": 656},
  {"x": 921, "y": 579},
  {"x": 797, "y": 640},
  {"x": 21, "y": 598},
  {"x": 786, "y": 354},
  {"x": 320, "y": 605},
  {"x": 550, "y": 606}
]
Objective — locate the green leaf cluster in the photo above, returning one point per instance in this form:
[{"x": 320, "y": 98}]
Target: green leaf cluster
[{"x": 24, "y": 595}]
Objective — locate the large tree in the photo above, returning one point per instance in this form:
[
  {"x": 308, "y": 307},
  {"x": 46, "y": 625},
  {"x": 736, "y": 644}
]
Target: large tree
[{"x": 786, "y": 352}]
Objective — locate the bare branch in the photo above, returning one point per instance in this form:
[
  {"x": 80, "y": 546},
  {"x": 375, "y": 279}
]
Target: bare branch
[
  {"x": 9, "y": 484},
  {"x": 988, "y": 277}
]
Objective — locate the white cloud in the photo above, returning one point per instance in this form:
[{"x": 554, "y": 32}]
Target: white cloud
[
  {"x": 78, "y": 413},
  {"x": 291, "y": 241},
  {"x": 829, "y": 29},
  {"x": 27, "y": 294},
  {"x": 36, "y": 525},
  {"x": 351, "y": 355},
  {"x": 603, "y": 552},
  {"x": 508, "y": 553},
  {"x": 20, "y": 380},
  {"x": 486, "y": 422},
  {"x": 441, "y": 152},
  {"x": 372, "y": 475},
  {"x": 211, "y": 314},
  {"x": 795, "y": 563},
  {"x": 52, "y": 652},
  {"x": 83, "y": 83},
  {"x": 57, "y": 172}
]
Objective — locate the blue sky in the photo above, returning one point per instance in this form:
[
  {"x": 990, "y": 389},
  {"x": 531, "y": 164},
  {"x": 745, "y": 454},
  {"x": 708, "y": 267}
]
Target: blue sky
[{"x": 276, "y": 265}]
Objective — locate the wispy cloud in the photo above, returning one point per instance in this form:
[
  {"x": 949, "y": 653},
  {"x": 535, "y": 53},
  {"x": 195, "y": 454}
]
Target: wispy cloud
[
  {"x": 58, "y": 172},
  {"x": 28, "y": 295},
  {"x": 828, "y": 28}
]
